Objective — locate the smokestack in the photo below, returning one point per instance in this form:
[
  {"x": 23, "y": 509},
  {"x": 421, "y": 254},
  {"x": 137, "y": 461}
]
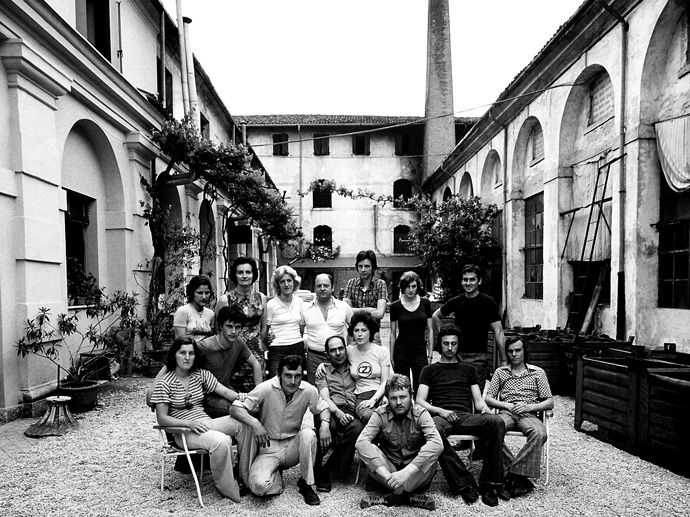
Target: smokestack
[{"x": 439, "y": 130}]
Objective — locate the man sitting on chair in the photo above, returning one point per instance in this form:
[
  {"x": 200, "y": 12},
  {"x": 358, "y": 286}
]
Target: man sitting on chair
[
  {"x": 282, "y": 439},
  {"x": 404, "y": 461},
  {"x": 520, "y": 391},
  {"x": 447, "y": 389},
  {"x": 337, "y": 388}
]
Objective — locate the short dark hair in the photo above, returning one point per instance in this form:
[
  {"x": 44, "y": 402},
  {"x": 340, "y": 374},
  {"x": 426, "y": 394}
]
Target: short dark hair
[
  {"x": 448, "y": 330},
  {"x": 171, "y": 361},
  {"x": 194, "y": 284},
  {"x": 407, "y": 278},
  {"x": 238, "y": 262},
  {"x": 367, "y": 254},
  {"x": 472, "y": 268},
  {"x": 337, "y": 336},
  {"x": 511, "y": 341},
  {"x": 231, "y": 313},
  {"x": 363, "y": 317},
  {"x": 292, "y": 362},
  {"x": 397, "y": 382}
]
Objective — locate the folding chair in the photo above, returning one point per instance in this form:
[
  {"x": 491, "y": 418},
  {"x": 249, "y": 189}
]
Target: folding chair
[{"x": 170, "y": 449}]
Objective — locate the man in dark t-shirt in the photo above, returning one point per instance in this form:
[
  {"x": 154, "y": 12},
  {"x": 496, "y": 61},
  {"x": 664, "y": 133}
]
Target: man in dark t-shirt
[
  {"x": 448, "y": 389},
  {"x": 475, "y": 313}
]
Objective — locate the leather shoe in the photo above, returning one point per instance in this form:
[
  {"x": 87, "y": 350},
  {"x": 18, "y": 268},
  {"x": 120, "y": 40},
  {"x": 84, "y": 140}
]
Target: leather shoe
[
  {"x": 469, "y": 494},
  {"x": 520, "y": 485},
  {"x": 310, "y": 497},
  {"x": 503, "y": 492},
  {"x": 323, "y": 484},
  {"x": 488, "y": 494}
]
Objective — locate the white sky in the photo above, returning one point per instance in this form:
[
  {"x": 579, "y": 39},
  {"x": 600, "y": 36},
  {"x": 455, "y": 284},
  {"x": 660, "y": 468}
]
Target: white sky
[{"x": 364, "y": 57}]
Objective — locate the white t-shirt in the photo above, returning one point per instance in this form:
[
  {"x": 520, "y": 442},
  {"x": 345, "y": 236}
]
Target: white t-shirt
[
  {"x": 366, "y": 367},
  {"x": 284, "y": 320},
  {"x": 197, "y": 323}
]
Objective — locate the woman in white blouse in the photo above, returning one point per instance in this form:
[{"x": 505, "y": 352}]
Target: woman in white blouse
[{"x": 284, "y": 318}]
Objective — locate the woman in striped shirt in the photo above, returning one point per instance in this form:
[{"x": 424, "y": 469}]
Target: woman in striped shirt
[{"x": 178, "y": 397}]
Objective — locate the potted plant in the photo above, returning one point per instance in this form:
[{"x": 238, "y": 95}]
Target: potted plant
[
  {"x": 91, "y": 348},
  {"x": 82, "y": 287}
]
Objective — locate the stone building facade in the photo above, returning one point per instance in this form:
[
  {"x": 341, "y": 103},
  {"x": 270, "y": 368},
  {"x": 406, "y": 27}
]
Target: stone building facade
[
  {"x": 608, "y": 92},
  {"x": 81, "y": 87}
]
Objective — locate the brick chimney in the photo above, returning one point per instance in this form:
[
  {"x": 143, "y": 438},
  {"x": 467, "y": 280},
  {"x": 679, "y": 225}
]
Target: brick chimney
[{"x": 439, "y": 132}]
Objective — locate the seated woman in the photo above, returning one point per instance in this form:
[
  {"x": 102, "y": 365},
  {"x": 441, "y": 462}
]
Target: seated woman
[
  {"x": 178, "y": 398},
  {"x": 195, "y": 318},
  {"x": 370, "y": 365}
]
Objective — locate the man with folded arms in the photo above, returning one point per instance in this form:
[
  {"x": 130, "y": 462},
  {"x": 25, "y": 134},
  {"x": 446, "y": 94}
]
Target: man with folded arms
[
  {"x": 282, "y": 441},
  {"x": 405, "y": 460},
  {"x": 520, "y": 391}
]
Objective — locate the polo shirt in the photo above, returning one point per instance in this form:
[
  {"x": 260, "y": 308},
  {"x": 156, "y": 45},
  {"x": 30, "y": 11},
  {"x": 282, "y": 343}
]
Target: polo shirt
[
  {"x": 317, "y": 329},
  {"x": 280, "y": 418}
]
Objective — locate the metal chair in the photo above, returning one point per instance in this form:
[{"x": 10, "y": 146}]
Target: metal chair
[{"x": 170, "y": 449}]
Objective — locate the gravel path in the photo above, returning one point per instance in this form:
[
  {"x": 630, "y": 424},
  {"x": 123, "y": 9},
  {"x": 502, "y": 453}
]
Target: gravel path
[{"x": 110, "y": 466}]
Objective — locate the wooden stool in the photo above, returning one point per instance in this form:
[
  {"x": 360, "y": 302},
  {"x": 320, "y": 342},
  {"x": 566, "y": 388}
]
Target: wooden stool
[{"x": 56, "y": 421}]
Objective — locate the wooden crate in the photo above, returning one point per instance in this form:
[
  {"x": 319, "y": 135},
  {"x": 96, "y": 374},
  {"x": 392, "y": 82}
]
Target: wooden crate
[{"x": 549, "y": 356}]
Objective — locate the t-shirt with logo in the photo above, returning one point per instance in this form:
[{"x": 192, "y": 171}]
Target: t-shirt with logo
[{"x": 366, "y": 367}]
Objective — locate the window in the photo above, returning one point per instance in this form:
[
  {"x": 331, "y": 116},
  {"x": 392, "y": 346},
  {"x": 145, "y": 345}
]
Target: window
[
  {"x": 401, "y": 189},
  {"x": 205, "y": 126},
  {"x": 360, "y": 145},
  {"x": 165, "y": 88},
  {"x": 674, "y": 253},
  {"x": 447, "y": 194},
  {"x": 534, "y": 246},
  {"x": 401, "y": 242},
  {"x": 280, "y": 144},
  {"x": 80, "y": 237},
  {"x": 536, "y": 143},
  {"x": 322, "y": 198},
  {"x": 93, "y": 22},
  {"x": 323, "y": 237},
  {"x": 408, "y": 143},
  {"x": 321, "y": 147},
  {"x": 600, "y": 100}
]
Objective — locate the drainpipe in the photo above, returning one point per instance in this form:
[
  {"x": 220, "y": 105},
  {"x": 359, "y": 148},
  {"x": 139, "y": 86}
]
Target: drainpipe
[
  {"x": 183, "y": 58},
  {"x": 119, "y": 34},
  {"x": 163, "y": 93},
  {"x": 504, "y": 251},
  {"x": 191, "y": 80},
  {"x": 299, "y": 215},
  {"x": 621, "y": 309}
]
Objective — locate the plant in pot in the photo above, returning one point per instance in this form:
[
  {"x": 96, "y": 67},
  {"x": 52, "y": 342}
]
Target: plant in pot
[{"x": 92, "y": 348}]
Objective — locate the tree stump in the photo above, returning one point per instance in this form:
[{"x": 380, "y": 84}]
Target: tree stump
[{"x": 56, "y": 421}]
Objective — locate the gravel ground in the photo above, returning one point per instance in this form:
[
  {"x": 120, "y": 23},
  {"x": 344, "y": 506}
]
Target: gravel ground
[{"x": 110, "y": 466}]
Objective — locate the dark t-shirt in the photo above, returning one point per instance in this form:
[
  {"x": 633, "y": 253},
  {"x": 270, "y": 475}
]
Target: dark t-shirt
[
  {"x": 411, "y": 327},
  {"x": 449, "y": 385},
  {"x": 473, "y": 316},
  {"x": 220, "y": 361}
]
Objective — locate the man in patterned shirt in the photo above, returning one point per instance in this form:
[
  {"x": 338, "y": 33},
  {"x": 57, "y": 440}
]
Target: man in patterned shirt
[
  {"x": 520, "y": 391},
  {"x": 367, "y": 293}
]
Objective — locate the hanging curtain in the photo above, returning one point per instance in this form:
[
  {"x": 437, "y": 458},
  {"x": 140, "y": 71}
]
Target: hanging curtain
[{"x": 673, "y": 146}]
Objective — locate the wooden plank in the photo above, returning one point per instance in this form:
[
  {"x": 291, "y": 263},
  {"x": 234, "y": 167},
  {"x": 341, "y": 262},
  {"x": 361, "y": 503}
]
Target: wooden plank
[
  {"x": 579, "y": 372},
  {"x": 609, "y": 377},
  {"x": 616, "y": 391},
  {"x": 589, "y": 315},
  {"x": 604, "y": 400},
  {"x": 605, "y": 414}
]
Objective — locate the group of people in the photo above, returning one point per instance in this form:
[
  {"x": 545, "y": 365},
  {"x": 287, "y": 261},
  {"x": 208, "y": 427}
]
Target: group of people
[{"x": 330, "y": 390}]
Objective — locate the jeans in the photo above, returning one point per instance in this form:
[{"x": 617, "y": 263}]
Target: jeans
[
  {"x": 364, "y": 414},
  {"x": 275, "y": 353},
  {"x": 528, "y": 461},
  {"x": 403, "y": 363},
  {"x": 491, "y": 429},
  {"x": 343, "y": 438},
  {"x": 416, "y": 483}
]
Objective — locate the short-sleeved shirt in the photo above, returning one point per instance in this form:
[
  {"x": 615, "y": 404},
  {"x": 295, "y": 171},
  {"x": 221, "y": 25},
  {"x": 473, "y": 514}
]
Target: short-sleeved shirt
[
  {"x": 450, "y": 385},
  {"x": 280, "y": 418},
  {"x": 340, "y": 384},
  {"x": 473, "y": 316},
  {"x": 317, "y": 329},
  {"x": 411, "y": 327},
  {"x": 222, "y": 358},
  {"x": 362, "y": 298},
  {"x": 197, "y": 323},
  {"x": 410, "y": 439},
  {"x": 169, "y": 390},
  {"x": 531, "y": 387},
  {"x": 284, "y": 320},
  {"x": 366, "y": 367}
]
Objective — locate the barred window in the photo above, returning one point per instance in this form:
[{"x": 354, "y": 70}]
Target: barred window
[
  {"x": 600, "y": 99},
  {"x": 401, "y": 242},
  {"x": 322, "y": 198},
  {"x": 401, "y": 189},
  {"x": 534, "y": 246},
  {"x": 674, "y": 249},
  {"x": 323, "y": 237},
  {"x": 280, "y": 144},
  {"x": 321, "y": 144}
]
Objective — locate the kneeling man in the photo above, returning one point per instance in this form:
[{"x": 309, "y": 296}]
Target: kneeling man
[
  {"x": 282, "y": 441},
  {"x": 520, "y": 391},
  {"x": 404, "y": 461}
]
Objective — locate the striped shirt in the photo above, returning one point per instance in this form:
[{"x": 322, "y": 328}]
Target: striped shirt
[
  {"x": 530, "y": 387},
  {"x": 169, "y": 390}
]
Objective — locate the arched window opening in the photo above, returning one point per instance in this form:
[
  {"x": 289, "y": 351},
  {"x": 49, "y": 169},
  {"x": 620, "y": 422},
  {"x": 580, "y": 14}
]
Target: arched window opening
[
  {"x": 401, "y": 239},
  {"x": 323, "y": 237},
  {"x": 401, "y": 189}
]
